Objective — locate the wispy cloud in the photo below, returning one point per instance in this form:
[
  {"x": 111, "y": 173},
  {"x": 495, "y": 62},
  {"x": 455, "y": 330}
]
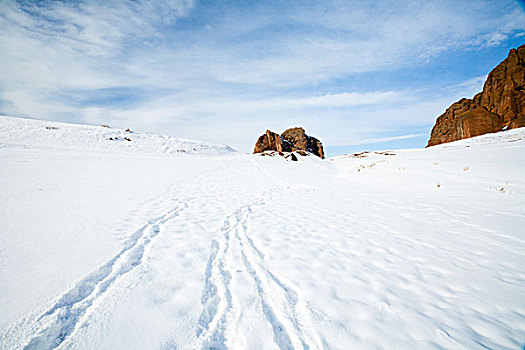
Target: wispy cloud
[
  {"x": 208, "y": 70},
  {"x": 367, "y": 141}
]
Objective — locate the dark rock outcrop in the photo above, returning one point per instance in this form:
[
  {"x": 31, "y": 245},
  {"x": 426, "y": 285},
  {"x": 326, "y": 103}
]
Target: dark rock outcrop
[
  {"x": 499, "y": 106},
  {"x": 294, "y": 139},
  {"x": 271, "y": 141},
  {"x": 301, "y": 141}
]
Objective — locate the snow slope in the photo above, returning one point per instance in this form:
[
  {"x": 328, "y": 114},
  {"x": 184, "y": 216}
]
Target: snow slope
[
  {"x": 106, "y": 246},
  {"x": 44, "y": 134}
]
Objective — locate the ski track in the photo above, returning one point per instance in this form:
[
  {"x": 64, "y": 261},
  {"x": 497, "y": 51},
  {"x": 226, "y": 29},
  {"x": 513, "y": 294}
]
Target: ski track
[
  {"x": 283, "y": 308},
  {"x": 61, "y": 320}
]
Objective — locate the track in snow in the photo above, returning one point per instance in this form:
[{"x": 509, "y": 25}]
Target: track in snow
[
  {"x": 235, "y": 274},
  {"x": 61, "y": 320}
]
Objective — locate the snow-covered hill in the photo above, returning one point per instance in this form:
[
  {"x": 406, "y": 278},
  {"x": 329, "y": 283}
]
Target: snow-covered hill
[
  {"x": 42, "y": 134},
  {"x": 107, "y": 248}
]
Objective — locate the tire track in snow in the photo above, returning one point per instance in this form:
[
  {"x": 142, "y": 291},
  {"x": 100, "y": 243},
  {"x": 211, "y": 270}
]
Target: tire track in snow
[
  {"x": 289, "y": 316},
  {"x": 294, "y": 309},
  {"x": 216, "y": 296},
  {"x": 216, "y": 318},
  {"x": 60, "y": 321}
]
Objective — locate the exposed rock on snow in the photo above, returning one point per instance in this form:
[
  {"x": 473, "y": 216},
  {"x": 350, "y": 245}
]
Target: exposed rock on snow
[
  {"x": 501, "y": 104},
  {"x": 293, "y": 156},
  {"x": 294, "y": 139}
]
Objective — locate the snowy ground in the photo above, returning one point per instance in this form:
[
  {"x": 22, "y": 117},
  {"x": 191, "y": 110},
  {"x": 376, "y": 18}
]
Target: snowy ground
[{"x": 116, "y": 244}]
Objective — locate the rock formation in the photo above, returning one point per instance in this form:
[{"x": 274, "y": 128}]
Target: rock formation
[
  {"x": 271, "y": 141},
  {"x": 301, "y": 141},
  {"x": 500, "y": 106},
  {"x": 294, "y": 139}
]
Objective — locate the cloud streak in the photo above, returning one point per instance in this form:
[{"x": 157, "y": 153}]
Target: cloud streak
[{"x": 379, "y": 140}]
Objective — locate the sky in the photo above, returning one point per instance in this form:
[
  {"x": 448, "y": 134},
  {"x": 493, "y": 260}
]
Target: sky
[{"x": 358, "y": 75}]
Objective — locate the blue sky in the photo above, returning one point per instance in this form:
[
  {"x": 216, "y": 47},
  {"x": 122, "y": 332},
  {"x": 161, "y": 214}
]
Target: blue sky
[{"x": 356, "y": 74}]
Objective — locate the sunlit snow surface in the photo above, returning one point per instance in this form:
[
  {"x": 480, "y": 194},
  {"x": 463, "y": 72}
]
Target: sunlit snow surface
[{"x": 116, "y": 244}]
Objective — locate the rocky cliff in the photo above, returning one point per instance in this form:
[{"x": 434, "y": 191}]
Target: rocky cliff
[
  {"x": 294, "y": 139},
  {"x": 501, "y": 104}
]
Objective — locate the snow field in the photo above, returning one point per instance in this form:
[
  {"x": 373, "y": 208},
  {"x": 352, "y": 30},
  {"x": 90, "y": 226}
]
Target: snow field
[{"x": 150, "y": 250}]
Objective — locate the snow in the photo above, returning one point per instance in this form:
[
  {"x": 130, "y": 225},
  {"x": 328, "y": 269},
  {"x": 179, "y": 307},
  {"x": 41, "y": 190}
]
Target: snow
[
  {"x": 44, "y": 134},
  {"x": 134, "y": 245}
]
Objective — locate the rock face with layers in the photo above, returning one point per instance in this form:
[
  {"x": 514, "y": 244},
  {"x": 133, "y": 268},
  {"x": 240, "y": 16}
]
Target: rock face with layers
[
  {"x": 294, "y": 139},
  {"x": 499, "y": 106}
]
